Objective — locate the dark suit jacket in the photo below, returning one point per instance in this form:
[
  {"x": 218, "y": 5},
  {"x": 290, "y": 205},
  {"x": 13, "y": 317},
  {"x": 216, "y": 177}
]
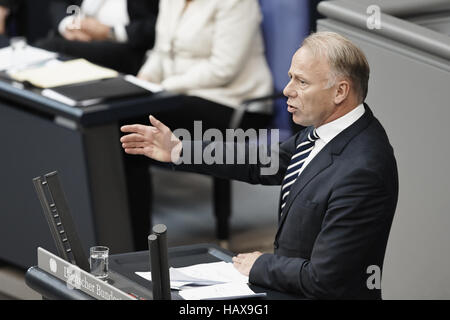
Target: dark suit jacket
[
  {"x": 140, "y": 30},
  {"x": 337, "y": 220}
]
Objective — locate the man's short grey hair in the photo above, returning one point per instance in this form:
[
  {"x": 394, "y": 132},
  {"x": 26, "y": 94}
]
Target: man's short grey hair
[{"x": 344, "y": 58}]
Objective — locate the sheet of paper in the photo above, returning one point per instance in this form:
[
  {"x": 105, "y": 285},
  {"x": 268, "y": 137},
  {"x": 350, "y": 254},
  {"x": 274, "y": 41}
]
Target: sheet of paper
[
  {"x": 23, "y": 58},
  {"x": 179, "y": 285},
  {"x": 224, "y": 290},
  {"x": 204, "y": 274},
  {"x": 69, "y": 72},
  {"x": 216, "y": 271}
]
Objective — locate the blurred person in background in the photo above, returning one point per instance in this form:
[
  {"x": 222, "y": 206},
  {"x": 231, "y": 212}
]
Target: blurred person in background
[
  {"x": 112, "y": 33},
  {"x": 213, "y": 52},
  {"x": 25, "y": 18},
  {"x": 9, "y": 10},
  {"x": 5, "y": 7}
]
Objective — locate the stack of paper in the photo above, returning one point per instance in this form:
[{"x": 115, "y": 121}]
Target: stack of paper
[
  {"x": 207, "y": 281},
  {"x": 23, "y": 58},
  {"x": 230, "y": 290}
]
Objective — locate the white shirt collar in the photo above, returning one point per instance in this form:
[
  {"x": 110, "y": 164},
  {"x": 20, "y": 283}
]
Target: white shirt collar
[{"x": 330, "y": 130}]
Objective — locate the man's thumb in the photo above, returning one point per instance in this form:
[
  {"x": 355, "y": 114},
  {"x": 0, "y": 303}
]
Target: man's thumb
[{"x": 156, "y": 123}]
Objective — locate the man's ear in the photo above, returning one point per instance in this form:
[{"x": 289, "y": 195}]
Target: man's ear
[{"x": 342, "y": 91}]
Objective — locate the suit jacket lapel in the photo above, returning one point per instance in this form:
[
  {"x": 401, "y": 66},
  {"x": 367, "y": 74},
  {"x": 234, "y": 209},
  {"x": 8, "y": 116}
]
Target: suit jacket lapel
[{"x": 324, "y": 159}]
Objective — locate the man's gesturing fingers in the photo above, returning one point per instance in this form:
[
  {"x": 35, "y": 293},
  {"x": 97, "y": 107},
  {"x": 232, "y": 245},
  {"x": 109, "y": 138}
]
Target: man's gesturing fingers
[
  {"x": 158, "y": 124},
  {"x": 135, "y": 151},
  {"x": 132, "y": 137},
  {"x": 128, "y": 145},
  {"x": 135, "y": 128},
  {"x": 155, "y": 141}
]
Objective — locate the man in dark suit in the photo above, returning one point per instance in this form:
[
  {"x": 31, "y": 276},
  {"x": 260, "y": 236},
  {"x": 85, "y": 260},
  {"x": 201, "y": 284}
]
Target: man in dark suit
[
  {"x": 121, "y": 47},
  {"x": 338, "y": 176}
]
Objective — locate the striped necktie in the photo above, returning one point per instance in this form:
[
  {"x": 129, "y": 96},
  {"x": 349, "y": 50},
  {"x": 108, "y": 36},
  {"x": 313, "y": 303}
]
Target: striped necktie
[{"x": 301, "y": 153}]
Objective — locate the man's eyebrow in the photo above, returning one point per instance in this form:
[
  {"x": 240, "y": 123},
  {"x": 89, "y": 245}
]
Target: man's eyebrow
[{"x": 296, "y": 75}]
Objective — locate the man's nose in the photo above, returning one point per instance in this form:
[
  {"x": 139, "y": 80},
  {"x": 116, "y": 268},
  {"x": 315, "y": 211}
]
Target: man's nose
[{"x": 289, "y": 92}]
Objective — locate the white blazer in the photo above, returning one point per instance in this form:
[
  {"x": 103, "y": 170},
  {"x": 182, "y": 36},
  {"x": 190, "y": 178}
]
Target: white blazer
[{"x": 214, "y": 50}]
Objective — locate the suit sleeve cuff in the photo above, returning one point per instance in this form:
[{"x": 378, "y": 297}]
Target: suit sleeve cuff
[
  {"x": 257, "y": 270},
  {"x": 277, "y": 273}
]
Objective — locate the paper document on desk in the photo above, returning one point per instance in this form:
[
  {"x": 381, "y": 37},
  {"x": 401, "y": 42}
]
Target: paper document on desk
[
  {"x": 215, "y": 271},
  {"x": 179, "y": 281},
  {"x": 204, "y": 274},
  {"x": 26, "y": 57},
  {"x": 69, "y": 72},
  {"x": 232, "y": 290}
]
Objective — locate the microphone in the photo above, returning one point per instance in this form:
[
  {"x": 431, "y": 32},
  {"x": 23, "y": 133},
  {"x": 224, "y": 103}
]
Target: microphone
[
  {"x": 155, "y": 266},
  {"x": 160, "y": 231},
  {"x": 159, "y": 262}
]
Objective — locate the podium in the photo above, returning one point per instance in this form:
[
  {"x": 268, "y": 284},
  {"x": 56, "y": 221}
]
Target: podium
[{"x": 122, "y": 274}]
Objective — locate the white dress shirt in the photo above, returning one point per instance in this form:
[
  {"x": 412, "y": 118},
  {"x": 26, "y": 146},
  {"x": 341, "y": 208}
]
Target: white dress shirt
[
  {"x": 328, "y": 131},
  {"x": 113, "y": 13},
  {"x": 213, "y": 49}
]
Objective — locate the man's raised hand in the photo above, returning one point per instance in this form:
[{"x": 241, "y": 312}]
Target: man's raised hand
[{"x": 155, "y": 141}]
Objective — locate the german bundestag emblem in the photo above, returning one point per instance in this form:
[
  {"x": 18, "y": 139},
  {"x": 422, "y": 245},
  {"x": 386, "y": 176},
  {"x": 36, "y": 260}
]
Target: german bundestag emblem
[{"x": 53, "y": 265}]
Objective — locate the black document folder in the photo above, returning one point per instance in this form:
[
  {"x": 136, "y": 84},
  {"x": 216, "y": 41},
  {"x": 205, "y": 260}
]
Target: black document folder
[{"x": 94, "y": 92}]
